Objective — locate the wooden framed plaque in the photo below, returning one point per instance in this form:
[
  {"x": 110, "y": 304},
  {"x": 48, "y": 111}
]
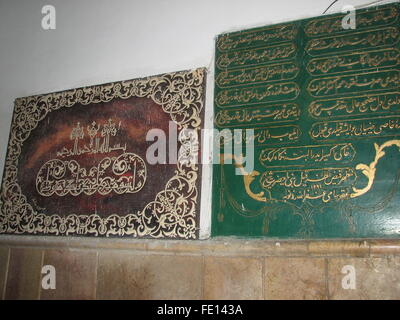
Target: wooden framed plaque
[{"x": 76, "y": 162}]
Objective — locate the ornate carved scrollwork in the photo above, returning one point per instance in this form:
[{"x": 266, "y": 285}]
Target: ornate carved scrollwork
[{"x": 172, "y": 214}]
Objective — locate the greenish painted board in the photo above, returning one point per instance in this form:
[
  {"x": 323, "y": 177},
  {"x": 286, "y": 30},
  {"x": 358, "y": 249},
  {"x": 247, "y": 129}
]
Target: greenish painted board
[{"x": 324, "y": 103}]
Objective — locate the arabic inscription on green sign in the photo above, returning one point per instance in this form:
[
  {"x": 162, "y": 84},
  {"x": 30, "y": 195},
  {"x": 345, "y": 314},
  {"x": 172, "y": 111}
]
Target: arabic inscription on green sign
[{"x": 324, "y": 104}]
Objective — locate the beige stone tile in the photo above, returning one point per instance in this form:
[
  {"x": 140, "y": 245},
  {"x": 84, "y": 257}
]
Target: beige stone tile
[
  {"x": 75, "y": 274},
  {"x": 376, "y": 278},
  {"x": 232, "y": 278},
  {"x": 4, "y": 255},
  {"x": 122, "y": 275},
  {"x": 295, "y": 278},
  {"x": 24, "y": 274}
]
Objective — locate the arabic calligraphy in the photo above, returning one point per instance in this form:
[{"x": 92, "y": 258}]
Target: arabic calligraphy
[
  {"x": 356, "y": 128},
  {"x": 256, "y": 56},
  {"x": 377, "y": 80},
  {"x": 258, "y": 37},
  {"x": 99, "y": 140},
  {"x": 273, "y": 72},
  {"x": 375, "y": 17},
  {"x": 259, "y": 115},
  {"x": 354, "y": 41},
  {"x": 321, "y": 123},
  {"x": 327, "y": 184},
  {"x": 354, "y": 62},
  {"x": 126, "y": 173},
  {"x": 262, "y": 136},
  {"x": 178, "y": 95},
  {"x": 274, "y": 135},
  {"x": 307, "y": 155},
  {"x": 354, "y": 106},
  {"x": 259, "y": 94}
]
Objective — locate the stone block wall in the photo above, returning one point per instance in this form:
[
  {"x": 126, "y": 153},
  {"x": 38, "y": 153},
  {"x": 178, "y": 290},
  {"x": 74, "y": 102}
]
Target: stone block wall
[{"x": 226, "y": 268}]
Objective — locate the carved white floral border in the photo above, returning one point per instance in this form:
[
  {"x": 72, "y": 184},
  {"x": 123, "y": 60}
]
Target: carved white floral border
[{"x": 172, "y": 214}]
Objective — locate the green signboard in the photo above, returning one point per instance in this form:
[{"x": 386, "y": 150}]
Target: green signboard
[{"x": 323, "y": 100}]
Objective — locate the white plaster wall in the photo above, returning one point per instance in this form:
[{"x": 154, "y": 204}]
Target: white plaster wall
[{"x": 99, "y": 41}]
